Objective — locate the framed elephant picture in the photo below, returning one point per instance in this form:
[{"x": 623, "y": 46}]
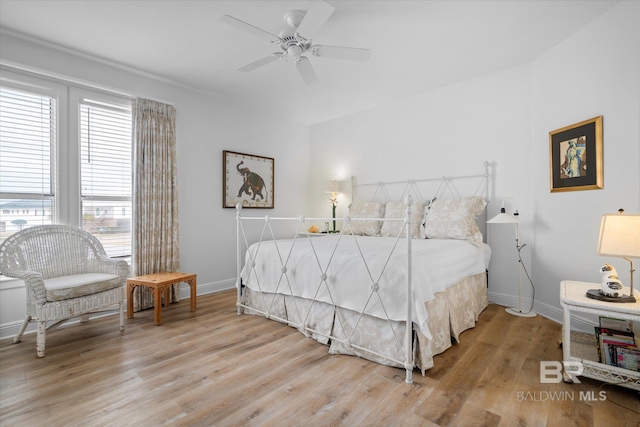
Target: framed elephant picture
[{"x": 247, "y": 179}]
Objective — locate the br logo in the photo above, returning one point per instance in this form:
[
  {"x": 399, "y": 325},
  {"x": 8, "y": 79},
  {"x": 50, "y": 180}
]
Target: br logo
[{"x": 551, "y": 371}]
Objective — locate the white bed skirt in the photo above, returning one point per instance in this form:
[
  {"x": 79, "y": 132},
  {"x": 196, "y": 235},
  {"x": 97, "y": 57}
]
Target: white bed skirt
[{"x": 449, "y": 314}]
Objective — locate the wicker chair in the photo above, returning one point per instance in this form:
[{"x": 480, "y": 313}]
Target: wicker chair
[{"x": 66, "y": 274}]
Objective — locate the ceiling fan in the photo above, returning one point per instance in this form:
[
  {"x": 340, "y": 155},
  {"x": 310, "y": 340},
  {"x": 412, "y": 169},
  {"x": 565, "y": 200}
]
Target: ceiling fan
[{"x": 295, "y": 41}]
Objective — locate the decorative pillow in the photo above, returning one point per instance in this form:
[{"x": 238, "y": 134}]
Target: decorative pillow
[
  {"x": 454, "y": 219},
  {"x": 398, "y": 210},
  {"x": 365, "y": 210}
]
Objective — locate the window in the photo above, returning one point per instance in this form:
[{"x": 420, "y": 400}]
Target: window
[
  {"x": 28, "y": 141},
  {"x": 65, "y": 165},
  {"x": 105, "y": 174}
]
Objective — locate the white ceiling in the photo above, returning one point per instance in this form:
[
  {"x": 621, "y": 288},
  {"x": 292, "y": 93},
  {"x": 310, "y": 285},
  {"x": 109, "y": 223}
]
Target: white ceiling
[{"x": 416, "y": 45}]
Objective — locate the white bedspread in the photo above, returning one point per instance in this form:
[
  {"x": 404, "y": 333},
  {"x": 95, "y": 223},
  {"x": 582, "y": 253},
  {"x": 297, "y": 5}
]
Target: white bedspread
[{"x": 354, "y": 265}]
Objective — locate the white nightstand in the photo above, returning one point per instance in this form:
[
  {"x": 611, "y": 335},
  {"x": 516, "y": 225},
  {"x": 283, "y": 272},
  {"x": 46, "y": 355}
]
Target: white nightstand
[{"x": 573, "y": 298}]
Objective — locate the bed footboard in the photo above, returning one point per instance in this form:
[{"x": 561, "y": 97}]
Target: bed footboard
[{"x": 286, "y": 307}]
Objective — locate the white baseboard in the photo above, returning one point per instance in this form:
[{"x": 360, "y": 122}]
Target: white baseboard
[
  {"x": 578, "y": 323},
  {"x": 207, "y": 288},
  {"x": 10, "y": 329}
]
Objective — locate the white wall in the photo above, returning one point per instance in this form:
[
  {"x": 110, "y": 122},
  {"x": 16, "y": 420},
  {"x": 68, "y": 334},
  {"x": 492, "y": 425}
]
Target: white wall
[
  {"x": 206, "y": 125},
  {"x": 594, "y": 72},
  {"x": 447, "y": 132},
  {"x": 505, "y": 118}
]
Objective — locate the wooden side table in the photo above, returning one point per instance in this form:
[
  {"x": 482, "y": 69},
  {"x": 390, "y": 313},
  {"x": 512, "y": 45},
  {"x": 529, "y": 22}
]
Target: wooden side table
[
  {"x": 160, "y": 283},
  {"x": 573, "y": 298}
]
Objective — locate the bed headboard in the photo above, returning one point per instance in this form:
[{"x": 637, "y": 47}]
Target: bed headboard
[{"x": 428, "y": 189}]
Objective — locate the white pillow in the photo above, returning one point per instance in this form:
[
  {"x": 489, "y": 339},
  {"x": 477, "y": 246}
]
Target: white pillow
[
  {"x": 454, "y": 219},
  {"x": 365, "y": 210},
  {"x": 398, "y": 209}
]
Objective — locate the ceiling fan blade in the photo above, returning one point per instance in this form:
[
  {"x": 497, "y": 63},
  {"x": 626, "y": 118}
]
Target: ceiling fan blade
[
  {"x": 306, "y": 71},
  {"x": 259, "y": 63},
  {"x": 337, "y": 52},
  {"x": 249, "y": 28},
  {"x": 315, "y": 18}
]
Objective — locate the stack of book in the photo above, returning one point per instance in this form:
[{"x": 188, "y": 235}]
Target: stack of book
[{"x": 616, "y": 344}]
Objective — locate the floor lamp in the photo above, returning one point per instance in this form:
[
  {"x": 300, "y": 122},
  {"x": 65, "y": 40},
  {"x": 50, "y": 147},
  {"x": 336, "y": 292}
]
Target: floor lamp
[{"x": 505, "y": 218}]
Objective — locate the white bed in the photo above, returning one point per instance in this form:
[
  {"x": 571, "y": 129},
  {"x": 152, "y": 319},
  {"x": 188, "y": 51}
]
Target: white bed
[{"x": 356, "y": 290}]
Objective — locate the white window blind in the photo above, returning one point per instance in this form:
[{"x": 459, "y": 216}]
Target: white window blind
[
  {"x": 28, "y": 137},
  {"x": 106, "y": 174}
]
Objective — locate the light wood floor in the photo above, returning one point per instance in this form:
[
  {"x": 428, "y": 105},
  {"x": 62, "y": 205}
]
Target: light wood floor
[{"x": 213, "y": 367}]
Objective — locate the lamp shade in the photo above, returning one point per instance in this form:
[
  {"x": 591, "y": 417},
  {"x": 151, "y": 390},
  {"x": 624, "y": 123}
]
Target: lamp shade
[
  {"x": 619, "y": 236},
  {"x": 503, "y": 218},
  {"x": 333, "y": 187}
]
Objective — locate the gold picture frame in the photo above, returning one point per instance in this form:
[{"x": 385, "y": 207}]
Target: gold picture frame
[
  {"x": 575, "y": 157},
  {"x": 247, "y": 179}
]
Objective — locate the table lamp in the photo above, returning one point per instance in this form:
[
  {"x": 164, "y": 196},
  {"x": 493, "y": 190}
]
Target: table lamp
[
  {"x": 619, "y": 237},
  {"x": 505, "y": 218},
  {"x": 334, "y": 188}
]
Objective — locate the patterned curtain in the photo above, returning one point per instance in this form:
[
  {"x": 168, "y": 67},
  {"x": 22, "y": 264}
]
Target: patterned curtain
[{"x": 155, "y": 196}]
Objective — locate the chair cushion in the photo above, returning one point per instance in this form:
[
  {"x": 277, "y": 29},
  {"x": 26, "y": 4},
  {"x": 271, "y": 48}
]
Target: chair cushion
[{"x": 78, "y": 285}]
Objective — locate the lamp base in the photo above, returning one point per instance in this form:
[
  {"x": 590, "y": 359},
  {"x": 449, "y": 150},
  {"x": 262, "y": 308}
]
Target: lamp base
[
  {"x": 596, "y": 294},
  {"x": 517, "y": 312}
]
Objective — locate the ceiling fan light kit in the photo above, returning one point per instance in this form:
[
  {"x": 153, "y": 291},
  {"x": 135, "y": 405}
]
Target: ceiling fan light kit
[
  {"x": 294, "y": 18},
  {"x": 294, "y": 46}
]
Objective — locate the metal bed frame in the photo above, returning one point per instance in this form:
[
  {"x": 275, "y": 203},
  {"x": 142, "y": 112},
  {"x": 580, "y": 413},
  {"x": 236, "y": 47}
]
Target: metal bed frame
[{"x": 410, "y": 190}]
